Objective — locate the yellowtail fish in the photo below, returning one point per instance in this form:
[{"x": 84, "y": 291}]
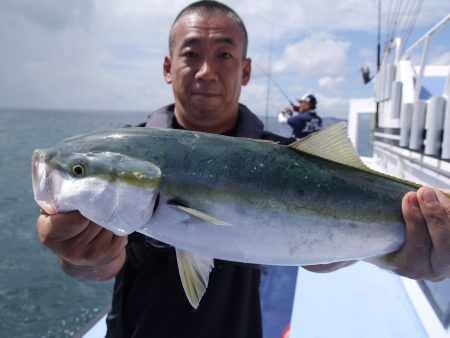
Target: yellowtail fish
[{"x": 213, "y": 196}]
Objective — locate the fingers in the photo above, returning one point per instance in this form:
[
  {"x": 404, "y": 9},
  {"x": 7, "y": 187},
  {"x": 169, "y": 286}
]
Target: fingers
[
  {"x": 417, "y": 246},
  {"x": 78, "y": 240},
  {"x": 435, "y": 206},
  {"x": 435, "y": 214},
  {"x": 426, "y": 252},
  {"x": 59, "y": 227},
  {"x": 101, "y": 272},
  {"x": 97, "y": 246}
]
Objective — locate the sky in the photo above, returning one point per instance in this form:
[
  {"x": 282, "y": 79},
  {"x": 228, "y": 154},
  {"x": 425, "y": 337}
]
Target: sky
[{"x": 107, "y": 54}]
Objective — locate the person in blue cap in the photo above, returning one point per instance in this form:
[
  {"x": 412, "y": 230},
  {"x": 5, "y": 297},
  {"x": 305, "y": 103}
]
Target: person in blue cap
[{"x": 306, "y": 121}]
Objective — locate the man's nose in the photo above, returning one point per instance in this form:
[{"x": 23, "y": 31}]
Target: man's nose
[{"x": 207, "y": 70}]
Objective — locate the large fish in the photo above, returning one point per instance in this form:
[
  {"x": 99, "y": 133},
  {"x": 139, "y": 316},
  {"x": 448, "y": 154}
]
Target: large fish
[{"x": 236, "y": 199}]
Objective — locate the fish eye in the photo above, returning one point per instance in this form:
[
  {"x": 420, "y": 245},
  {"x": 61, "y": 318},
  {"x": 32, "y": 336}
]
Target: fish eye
[{"x": 78, "y": 170}]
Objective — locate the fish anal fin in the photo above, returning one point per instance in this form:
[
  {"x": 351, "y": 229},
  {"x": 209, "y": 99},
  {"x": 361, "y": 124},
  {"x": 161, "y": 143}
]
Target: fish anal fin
[{"x": 194, "y": 272}]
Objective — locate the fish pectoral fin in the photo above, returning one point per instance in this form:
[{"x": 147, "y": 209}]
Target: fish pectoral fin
[
  {"x": 260, "y": 140},
  {"x": 203, "y": 216},
  {"x": 194, "y": 272}
]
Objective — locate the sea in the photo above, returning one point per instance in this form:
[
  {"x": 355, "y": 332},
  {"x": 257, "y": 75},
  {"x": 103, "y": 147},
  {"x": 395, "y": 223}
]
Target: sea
[{"x": 36, "y": 298}]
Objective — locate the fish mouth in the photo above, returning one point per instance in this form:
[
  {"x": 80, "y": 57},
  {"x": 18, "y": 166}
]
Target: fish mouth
[{"x": 46, "y": 182}]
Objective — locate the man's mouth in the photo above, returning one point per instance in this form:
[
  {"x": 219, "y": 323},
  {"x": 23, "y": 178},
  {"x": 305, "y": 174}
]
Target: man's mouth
[{"x": 205, "y": 94}]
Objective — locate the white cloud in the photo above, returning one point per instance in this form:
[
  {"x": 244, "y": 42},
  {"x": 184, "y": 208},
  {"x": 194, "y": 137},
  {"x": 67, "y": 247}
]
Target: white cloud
[
  {"x": 331, "y": 82},
  {"x": 50, "y": 14},
  {"x": 333, "y": 106},
  {"x": 319, "y": 54},
  {"x": 108, "y": 53},
  {"x": 254, "y": 92},
  {"x": 290, "y": 17},
  {"x": 441, "y": 59},
  {"x": 260, "y": 101},
  {"x": 368, "y": 57}
]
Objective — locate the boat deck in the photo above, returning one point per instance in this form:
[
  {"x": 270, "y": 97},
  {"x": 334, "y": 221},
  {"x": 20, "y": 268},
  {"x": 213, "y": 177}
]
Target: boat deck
[{"x": 358, "y": 301}]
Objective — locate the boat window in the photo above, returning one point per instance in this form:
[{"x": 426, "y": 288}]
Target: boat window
[{"x": 364, "y": 136}]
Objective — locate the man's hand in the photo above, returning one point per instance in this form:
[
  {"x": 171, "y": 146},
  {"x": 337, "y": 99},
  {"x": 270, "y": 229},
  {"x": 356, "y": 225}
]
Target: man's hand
[
  {"x": 85, "y": 249},
  {"x": 426, "y": 252}
]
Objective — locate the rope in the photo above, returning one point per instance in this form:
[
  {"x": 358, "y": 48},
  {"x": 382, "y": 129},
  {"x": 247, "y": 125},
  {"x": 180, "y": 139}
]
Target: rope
[
  {"x": 401, "y": 19},
  {"x": 412, "y": 22}
]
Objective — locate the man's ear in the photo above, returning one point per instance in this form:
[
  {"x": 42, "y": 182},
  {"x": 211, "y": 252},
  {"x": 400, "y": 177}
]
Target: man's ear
[
  {"x": 246, "y": 71},
  {"x": 167, "y": 69}
]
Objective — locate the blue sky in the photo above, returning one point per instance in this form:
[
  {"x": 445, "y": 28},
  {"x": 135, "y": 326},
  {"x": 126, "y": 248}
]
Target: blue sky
[{"x": 107, "y": 54}]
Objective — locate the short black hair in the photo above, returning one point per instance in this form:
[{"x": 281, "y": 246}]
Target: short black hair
[{"x": 211, "y": 7}]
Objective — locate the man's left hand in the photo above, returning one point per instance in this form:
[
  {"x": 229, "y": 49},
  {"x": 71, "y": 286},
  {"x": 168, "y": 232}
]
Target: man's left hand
[{"x": 426, "y": 252}]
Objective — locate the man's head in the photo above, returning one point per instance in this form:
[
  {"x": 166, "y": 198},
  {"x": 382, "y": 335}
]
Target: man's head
[
  {"x": 207, "y": 66},
  {"x": 208, "y": 7},
  {"x": 307, "y": 102}
]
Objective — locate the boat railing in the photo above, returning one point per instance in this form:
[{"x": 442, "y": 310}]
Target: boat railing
[
  {"x": 416, "y": 118},
  {"x": 425, "y": 41}
]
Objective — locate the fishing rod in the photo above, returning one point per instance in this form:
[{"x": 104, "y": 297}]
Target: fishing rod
[
  {"x": 275, "y": 83},
  {"x": 269, "y": 77}
]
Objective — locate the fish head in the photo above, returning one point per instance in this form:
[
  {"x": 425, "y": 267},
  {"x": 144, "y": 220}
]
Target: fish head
[{"x": 113, "y": 190}]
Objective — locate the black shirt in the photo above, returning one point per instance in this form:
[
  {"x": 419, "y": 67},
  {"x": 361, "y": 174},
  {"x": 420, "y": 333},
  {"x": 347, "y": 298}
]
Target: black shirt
[{"x": 149, "y": 300}]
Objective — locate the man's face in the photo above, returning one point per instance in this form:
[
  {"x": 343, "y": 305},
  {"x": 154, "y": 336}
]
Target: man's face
[
  {"x": 304, "y": 106},
  {"x": 206, "y": 70}
]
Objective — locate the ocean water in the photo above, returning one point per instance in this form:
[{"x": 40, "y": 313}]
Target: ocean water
[{"x": 36, "y": 298}]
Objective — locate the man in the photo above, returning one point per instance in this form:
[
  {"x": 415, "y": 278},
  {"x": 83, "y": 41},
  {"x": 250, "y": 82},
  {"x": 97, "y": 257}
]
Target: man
[
  {"x": 306, "y": 121},
  {"x": 206, "y": 67}
]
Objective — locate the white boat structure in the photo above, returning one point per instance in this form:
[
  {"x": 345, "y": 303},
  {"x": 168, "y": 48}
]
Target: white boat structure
[{"x": 404, "y": 130}]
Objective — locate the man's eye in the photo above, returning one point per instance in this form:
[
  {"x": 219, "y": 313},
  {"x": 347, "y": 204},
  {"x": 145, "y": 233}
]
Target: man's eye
[
  {"x": 190, "y": 54},
  {"x": 225, "y": 55}
]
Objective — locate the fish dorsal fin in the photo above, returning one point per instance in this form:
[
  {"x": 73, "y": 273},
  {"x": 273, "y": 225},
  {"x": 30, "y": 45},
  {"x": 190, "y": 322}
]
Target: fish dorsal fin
[
  {"x": 194, "y": 272},
  {"x": 333, "y": 144}
]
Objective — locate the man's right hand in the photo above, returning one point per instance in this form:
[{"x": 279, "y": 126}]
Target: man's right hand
[{"x": 86, "y": 250}]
